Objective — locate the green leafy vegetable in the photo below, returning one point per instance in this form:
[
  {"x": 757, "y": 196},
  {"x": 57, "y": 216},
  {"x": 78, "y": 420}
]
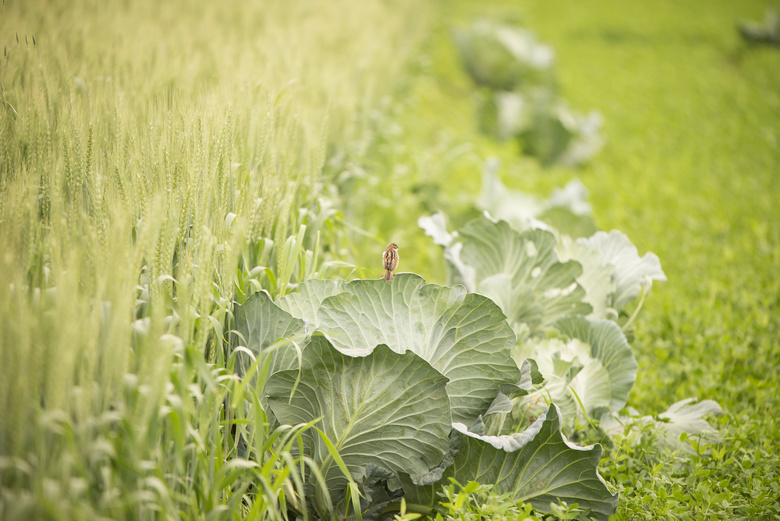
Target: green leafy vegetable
[
  {"x": 305, "y": 302},
  {"x": 538, "y": 466},
  {"x": 260, "y": 324},
  {"x": 682, "y": 420},
  {"x": 592, "y": 367},
  {"x": 383, "y": 408},
  {"x": 392, "y": 365},
  {"x": 503, "y": 57},
  {"x": 463, "y": 335},
  {"x": 633, "y": 275},
  {"x": 522, "y": 273}
]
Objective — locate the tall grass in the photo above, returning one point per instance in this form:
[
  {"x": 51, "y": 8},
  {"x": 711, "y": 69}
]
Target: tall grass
[{"x": 158, "y": 161}]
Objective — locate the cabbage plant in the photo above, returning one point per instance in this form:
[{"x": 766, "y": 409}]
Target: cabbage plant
[
  {"x": 520, "y": 271},
  {"x": 589, "y": 368},
  {"x": 568, "y": 301},
  {"x": 613, "y": 274},
  {"x": 502, "y": 56},
  {"x": 395, "y": 378}
]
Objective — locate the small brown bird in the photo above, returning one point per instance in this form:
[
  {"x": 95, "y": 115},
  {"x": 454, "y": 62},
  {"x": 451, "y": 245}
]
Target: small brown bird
[{"x": 390, "y": 260}]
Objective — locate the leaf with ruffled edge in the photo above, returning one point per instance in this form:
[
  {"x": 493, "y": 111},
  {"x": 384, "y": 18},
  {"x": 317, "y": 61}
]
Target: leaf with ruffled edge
[
  {"x": 457, "y": 271},
  {"x": 683, "y": 417},
  {"x": 463, "y": 335},
  {"x": 380, "y": 408},
  {"x": 593, "y": 366},
  {"x": 537, "y": 466},
  {"x": 494, "y": 420},
  {"x": 632, "y": 274},
  {"x": 522, "y": 274},
  {"x": 597, "y": 278},
  {"x": 686, "y": 416}
]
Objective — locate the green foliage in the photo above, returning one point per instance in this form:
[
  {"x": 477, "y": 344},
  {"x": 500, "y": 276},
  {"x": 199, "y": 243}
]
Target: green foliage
[
  {"x": 734, "y": 477},
  {"x": 384, "y": 410},
  {"x": 159, "y": 162},
  {"x": 392, "y": 369},
  {"x": 520, "y": 271},
  {"x": 463, "y": 335},
  {"x": 503, "y": 57},
  {"x": 475, "y": 502},
  {"x": 589, "y": 368},
  {"x": 538, "y": 466},
  {"x": 588, "y": 365},
  {"x": 519, "y": 98}
]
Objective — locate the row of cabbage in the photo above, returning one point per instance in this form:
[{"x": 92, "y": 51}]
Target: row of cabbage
[
  {"x": 395, "y": 388},
  {"x": 407, "y": 384},
  {"x": 518, "y": 95}
]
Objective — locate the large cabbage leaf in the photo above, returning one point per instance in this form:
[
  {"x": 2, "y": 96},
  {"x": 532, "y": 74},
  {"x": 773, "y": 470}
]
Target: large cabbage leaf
[
  {"x": 538, "y": 466},
  {"x": 383, "y": 408},
  {"x": 597, "y": 277},
  {"x": 632, "y": 275},
  {"x": 305, "y": 302},
  {"x": 457, "y": 272},
  {"x": 260, "y": 324},
  {"x": 591, "y": 367},
  {"x": 686, "y": 416},
  {"x": 463, "y": 335},
  {"x": 521, "y": 272}
]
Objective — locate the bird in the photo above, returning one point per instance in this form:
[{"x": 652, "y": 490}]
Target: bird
[{"x": 390, "y": 260}]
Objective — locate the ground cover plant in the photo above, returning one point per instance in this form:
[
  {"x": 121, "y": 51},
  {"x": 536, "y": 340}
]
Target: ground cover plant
[{"x": 173, "y": 182}]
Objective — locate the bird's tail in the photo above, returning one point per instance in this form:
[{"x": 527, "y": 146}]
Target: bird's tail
[{"x": 388, "y": 275}]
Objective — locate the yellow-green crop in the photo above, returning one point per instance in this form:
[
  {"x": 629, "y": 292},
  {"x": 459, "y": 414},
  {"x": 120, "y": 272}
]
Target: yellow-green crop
[{"x": 151, "y": 153}]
